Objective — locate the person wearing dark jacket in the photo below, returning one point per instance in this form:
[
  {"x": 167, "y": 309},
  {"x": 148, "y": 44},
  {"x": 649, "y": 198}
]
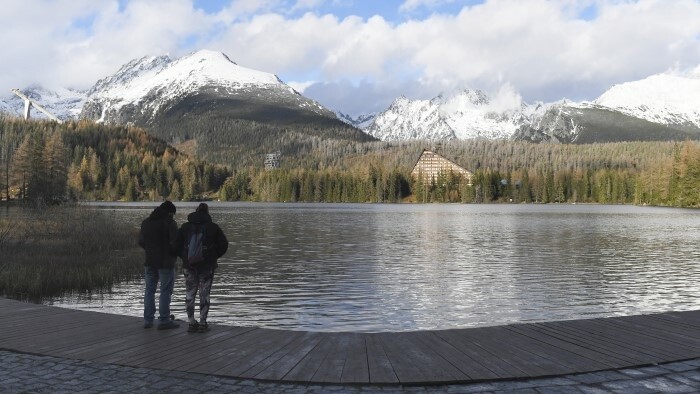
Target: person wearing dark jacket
[
  {"x": 199, "y": 270},
  {"x": 157, "y": 238}
]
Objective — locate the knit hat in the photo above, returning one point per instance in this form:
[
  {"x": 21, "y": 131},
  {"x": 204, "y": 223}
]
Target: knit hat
[
  {"x": 203, "y": 207},
  {"x": 168, "y": 207}
]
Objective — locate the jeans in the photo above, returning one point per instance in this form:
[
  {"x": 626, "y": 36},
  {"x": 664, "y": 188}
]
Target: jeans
[{"x": 166, "y": 277}]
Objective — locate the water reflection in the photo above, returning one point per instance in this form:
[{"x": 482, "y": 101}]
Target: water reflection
[{"x": 408, "y": 267}]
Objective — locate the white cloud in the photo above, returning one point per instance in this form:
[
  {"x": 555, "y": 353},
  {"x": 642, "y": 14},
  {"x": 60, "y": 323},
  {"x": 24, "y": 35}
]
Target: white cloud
[
  {"x": 300, "y": 86},
  {"x": 543, "y": 49}
]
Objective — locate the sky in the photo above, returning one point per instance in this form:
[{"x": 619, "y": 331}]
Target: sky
[{"x": 357, "y": 56}]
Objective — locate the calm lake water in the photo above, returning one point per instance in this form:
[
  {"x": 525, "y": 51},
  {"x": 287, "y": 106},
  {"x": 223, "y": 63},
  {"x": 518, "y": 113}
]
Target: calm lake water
[{"x": 373, "y": 267}]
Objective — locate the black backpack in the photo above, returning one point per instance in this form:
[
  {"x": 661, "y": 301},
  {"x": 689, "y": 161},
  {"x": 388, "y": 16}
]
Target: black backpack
[{"x": 194, "y": 247}]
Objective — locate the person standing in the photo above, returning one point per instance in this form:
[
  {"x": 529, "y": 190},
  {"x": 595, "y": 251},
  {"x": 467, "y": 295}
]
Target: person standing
[
  {"x": 200, "y": 243},
  {"x": 157, "y": 238}
]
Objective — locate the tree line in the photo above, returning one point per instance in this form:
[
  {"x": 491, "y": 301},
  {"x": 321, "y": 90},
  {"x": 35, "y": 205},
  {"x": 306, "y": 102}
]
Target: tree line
[
  {"x": 647, "y": 173},
  {"x": 84, "y": 160}
]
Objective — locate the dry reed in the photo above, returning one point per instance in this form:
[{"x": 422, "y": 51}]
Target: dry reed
[{"x": 52, "y": 251}]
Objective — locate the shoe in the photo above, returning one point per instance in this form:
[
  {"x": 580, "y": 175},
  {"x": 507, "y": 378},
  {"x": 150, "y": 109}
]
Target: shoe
[
  {"x": 193, "y": 327},
  {"x": 148, "y": 324},
  {"x": 167, "y": 326},
  {"x": 203, "y": 327}
]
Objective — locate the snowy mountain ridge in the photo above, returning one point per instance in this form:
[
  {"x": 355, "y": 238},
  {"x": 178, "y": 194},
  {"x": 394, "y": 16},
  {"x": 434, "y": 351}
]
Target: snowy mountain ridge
[
  {"x": 467, "y": 114},
  {"x": 63, "y": 103},
  {"x": 144, "y": 87},
  {"x": 662, "y": 98},
  {"x": 667, "y": 100}
]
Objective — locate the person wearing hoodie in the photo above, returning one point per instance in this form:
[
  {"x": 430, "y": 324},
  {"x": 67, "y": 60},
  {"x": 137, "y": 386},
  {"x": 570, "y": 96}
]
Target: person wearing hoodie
[
  {"x": 199, "y": 267},
  {"x": 157, "y": 238}
]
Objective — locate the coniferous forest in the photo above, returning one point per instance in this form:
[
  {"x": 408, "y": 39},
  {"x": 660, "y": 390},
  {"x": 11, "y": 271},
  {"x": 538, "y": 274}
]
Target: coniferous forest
[{"x": 88, "y": 161}]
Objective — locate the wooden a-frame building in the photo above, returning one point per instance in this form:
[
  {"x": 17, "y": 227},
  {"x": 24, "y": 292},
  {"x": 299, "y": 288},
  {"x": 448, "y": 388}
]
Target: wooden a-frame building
[{"x": 430, "y": 165}]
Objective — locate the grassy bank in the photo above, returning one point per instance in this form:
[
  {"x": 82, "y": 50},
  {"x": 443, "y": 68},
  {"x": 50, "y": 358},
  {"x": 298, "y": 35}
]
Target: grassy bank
[{"x": 57, "y": 250}]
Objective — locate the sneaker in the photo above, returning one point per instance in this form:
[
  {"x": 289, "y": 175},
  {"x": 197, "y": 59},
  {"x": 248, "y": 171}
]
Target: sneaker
[
  {"x": 168, "y": 325},
  {"x": 193, "y": 327},
  {"x": 203, "y": 327},
  {"x": 148, "y": 324}
]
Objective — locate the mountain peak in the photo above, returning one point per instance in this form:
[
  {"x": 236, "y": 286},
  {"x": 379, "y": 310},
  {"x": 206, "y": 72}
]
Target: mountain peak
[
  {"x": 661, "y": 98},
  {"x": 476, "y": 96},
  {"x": 134, "y": 69},
  {"x": 208, "y": 55}
]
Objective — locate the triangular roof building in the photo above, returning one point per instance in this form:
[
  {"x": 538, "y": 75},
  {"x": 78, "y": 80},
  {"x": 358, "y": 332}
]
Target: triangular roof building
[{"x": 430, "y": 165}]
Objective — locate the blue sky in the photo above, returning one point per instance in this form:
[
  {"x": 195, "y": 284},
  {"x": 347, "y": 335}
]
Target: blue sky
[
  {"x": 389, "y": 9},
  {"x": 359, "y": 55}
]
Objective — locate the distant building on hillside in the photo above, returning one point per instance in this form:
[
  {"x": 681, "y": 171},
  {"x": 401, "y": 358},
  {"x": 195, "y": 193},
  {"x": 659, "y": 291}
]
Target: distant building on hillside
[
  {"x": 272, "y": 160},
  {"x": 430, "y": 165}
]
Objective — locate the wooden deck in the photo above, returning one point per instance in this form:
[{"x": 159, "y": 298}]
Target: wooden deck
[{"x": 422, "y": 357}]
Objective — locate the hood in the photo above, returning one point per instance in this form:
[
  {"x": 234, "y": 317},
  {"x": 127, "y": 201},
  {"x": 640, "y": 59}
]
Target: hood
[
  {"x": 198, "y": 217},
  {"x": 158, "y": 214}
]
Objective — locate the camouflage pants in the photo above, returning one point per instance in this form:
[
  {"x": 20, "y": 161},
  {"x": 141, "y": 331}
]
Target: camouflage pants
[{"x": 198, "y": 281}]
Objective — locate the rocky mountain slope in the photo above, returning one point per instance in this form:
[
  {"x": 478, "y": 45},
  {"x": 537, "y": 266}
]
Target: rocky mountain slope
[
  {"x": 465, "y": 115},
  {"x": 145, "y": 90},
  {"x": 666, "y": 99},
  {"x": 661, "y": 107},
  {"x": 64, "y": 103},
  {"x": 178, "y": 98}
]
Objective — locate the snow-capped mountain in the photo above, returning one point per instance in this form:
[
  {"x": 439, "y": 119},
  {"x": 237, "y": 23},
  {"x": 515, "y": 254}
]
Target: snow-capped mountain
[
  {"x": 663, "y": 98},
  {"x": 166, "y": 94},
  {"x": 660, "y": 107},
  {"x": 465, "y": 115},
  {"x": 144, "y": 89},
  {"x": 62, "y": 102},
  {"x": 410, "y": 119},
  {"x": 361, "y": 121}
]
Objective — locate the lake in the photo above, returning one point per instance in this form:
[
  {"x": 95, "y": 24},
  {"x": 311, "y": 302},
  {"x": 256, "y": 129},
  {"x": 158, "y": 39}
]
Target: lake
[{"x": 404, "y": 267}]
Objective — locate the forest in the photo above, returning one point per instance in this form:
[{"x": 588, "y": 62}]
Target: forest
[
  {"x": 88, "y": 161},
  {"x": 51, "y": 162}
]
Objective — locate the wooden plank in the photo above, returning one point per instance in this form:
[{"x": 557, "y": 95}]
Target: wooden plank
[
  {"x": 430, "y": 357},
  {"x": 118, "y": 349},
  {"x": 227, "y": 353},
  {"x": 461, "y": 361},
  {"x": 280, "y": 363},
  {"x": 356, "y": 368},
  {"x": 687, "y": 317},
  {"x": 661, "y": 329},
  {"x": 595, "y": 341},
  {"x": 75, "y": 336},
  {"x": 271, "y": 343},
  {"x": 38, "y": 325},
  {"x": 598, "y": 360},
  {"x": 555, "y": 358},
  {"x": 104, "y": 345},
  {"x": 187, "y": 350},
  {"x": 481, "y": 356},
  {"x": 654, "y": 349},
  {"x": 309, "y": 365},
  {"x": 495, "y": 340},
  {"x": 379, "y": 366},
  {"x": 415, "y": 362},
  {"x": 331, "y": 370}
]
